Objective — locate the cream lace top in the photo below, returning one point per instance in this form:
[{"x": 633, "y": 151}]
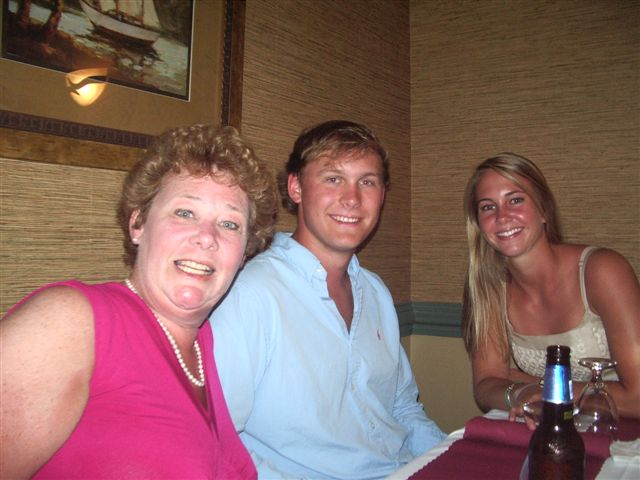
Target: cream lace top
[{"x": 588, "y": 339}]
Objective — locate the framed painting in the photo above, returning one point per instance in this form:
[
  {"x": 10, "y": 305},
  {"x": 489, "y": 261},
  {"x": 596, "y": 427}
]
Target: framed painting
[
  {"x": 177, "y": 66},
  {"x": 124, "y": 39}
]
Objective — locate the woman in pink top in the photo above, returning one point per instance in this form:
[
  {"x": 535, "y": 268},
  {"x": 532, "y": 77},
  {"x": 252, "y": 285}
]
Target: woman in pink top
[{"x": 117, "y": 380}]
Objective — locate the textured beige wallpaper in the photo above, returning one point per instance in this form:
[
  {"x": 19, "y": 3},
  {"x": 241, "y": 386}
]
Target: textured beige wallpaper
[
  {"x": 555, "y": 81},
  {"x": 56, "y": 222}
]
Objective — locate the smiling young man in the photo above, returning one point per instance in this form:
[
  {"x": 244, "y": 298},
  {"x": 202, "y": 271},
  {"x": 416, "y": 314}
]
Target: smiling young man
[{"x": 307, "y": 341}]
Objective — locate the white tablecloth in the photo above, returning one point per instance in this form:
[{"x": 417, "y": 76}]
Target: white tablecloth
[{"x": 616, "y": 467}]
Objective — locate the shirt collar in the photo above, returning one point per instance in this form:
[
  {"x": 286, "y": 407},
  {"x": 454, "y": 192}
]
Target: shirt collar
[{"x": 303, "y": 260}]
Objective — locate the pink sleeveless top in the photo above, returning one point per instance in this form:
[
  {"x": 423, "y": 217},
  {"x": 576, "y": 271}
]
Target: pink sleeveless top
[{"x": 142, "y": 419}]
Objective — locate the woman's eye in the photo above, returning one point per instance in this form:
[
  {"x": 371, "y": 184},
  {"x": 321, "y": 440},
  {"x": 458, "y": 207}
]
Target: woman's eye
[
  {"x": 485, "y": 208},
  {"x": 517, "y": 200},
  {"x": 230, "y": 225},
  {"x": 184, "y": 213}
]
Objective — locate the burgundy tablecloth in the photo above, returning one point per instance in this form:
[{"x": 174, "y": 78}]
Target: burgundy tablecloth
[{"x": 493, "y": 449}]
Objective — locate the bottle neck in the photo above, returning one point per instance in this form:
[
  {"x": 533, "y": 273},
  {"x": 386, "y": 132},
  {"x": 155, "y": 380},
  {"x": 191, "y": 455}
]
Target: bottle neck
[
  {"x": 558, "y": 387},
  {"x": 557, "y": 394}
]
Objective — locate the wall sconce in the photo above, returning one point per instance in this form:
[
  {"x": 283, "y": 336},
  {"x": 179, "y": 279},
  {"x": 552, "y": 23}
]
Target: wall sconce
[{"x": 83, "y": 88}]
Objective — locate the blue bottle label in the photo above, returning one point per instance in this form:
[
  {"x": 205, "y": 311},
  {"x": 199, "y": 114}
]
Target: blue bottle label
[{"x": 557, "y": 384}]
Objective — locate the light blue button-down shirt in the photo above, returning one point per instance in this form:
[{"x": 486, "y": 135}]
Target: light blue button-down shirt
[{"x": 310, "y": 398}]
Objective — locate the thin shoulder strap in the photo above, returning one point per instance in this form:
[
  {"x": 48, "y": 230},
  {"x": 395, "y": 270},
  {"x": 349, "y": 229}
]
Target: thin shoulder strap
[{"x": 581, "y": 265}]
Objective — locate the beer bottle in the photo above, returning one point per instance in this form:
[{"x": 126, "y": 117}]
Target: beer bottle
[{"x": 556, "y": 449}]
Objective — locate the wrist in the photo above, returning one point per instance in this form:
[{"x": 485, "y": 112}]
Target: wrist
[
  {"x": 508, "y": 394},
  {"x": 519, "y": 393}
]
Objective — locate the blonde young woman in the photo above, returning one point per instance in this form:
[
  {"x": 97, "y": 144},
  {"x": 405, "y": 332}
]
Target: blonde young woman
[{"x": 526, "y": 289}]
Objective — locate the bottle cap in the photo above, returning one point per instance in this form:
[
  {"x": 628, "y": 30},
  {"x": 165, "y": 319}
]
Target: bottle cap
[{"x": 555, "y": 352}]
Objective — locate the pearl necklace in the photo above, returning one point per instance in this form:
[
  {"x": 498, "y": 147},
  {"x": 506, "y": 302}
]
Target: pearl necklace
[{"x": 198, "y": 382}]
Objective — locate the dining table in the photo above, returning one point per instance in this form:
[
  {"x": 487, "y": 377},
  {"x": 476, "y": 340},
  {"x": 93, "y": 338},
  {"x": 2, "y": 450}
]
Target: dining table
[{"x": 492, "y": 447}]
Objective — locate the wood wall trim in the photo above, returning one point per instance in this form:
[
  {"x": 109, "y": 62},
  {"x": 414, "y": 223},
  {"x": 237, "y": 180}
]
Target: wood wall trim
[{"x": 64, "y": 150}]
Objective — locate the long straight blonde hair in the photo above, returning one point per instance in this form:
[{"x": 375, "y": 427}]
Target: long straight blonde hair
[{"x": 484, "y": 306}]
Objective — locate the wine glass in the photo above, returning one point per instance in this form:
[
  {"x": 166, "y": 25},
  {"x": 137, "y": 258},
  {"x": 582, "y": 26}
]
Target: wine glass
[{"x": 597, "y": 411}]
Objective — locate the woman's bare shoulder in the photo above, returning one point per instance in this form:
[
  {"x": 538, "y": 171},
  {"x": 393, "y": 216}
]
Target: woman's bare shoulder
[
  {"x": 47, "y": 360},
  {"x": 598, "y": 259},
  {"x": 60, "y": 306},
  {"x": 49, "y": 334},
  {"x": 607, "y": 262},
  {"x": 612, "y": 285}
]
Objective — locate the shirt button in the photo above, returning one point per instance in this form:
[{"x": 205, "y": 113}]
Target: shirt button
[
  {"x": 372, "y": 425},
  {"x": 353, "y": 387}
]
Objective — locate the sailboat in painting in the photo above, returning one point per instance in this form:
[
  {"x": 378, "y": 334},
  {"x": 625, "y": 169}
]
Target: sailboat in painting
[{"x": 133, "y": 21}]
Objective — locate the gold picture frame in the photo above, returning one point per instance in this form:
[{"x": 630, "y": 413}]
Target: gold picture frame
[{"x": 40, "y": 122}]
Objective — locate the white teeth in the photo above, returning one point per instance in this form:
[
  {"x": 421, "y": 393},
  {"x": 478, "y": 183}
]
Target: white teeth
[
  {"x": 508, "y": 233},
  {"x": 340, "y": 218},
  {"x": 193, "y": 268}
]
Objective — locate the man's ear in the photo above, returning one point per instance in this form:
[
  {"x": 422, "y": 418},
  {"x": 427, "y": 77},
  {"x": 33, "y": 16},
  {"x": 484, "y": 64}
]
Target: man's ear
[{"x": 294, "y": 188}]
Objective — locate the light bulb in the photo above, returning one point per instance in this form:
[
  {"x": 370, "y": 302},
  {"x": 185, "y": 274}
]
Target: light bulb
[{"x": 84, "y": 89}]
